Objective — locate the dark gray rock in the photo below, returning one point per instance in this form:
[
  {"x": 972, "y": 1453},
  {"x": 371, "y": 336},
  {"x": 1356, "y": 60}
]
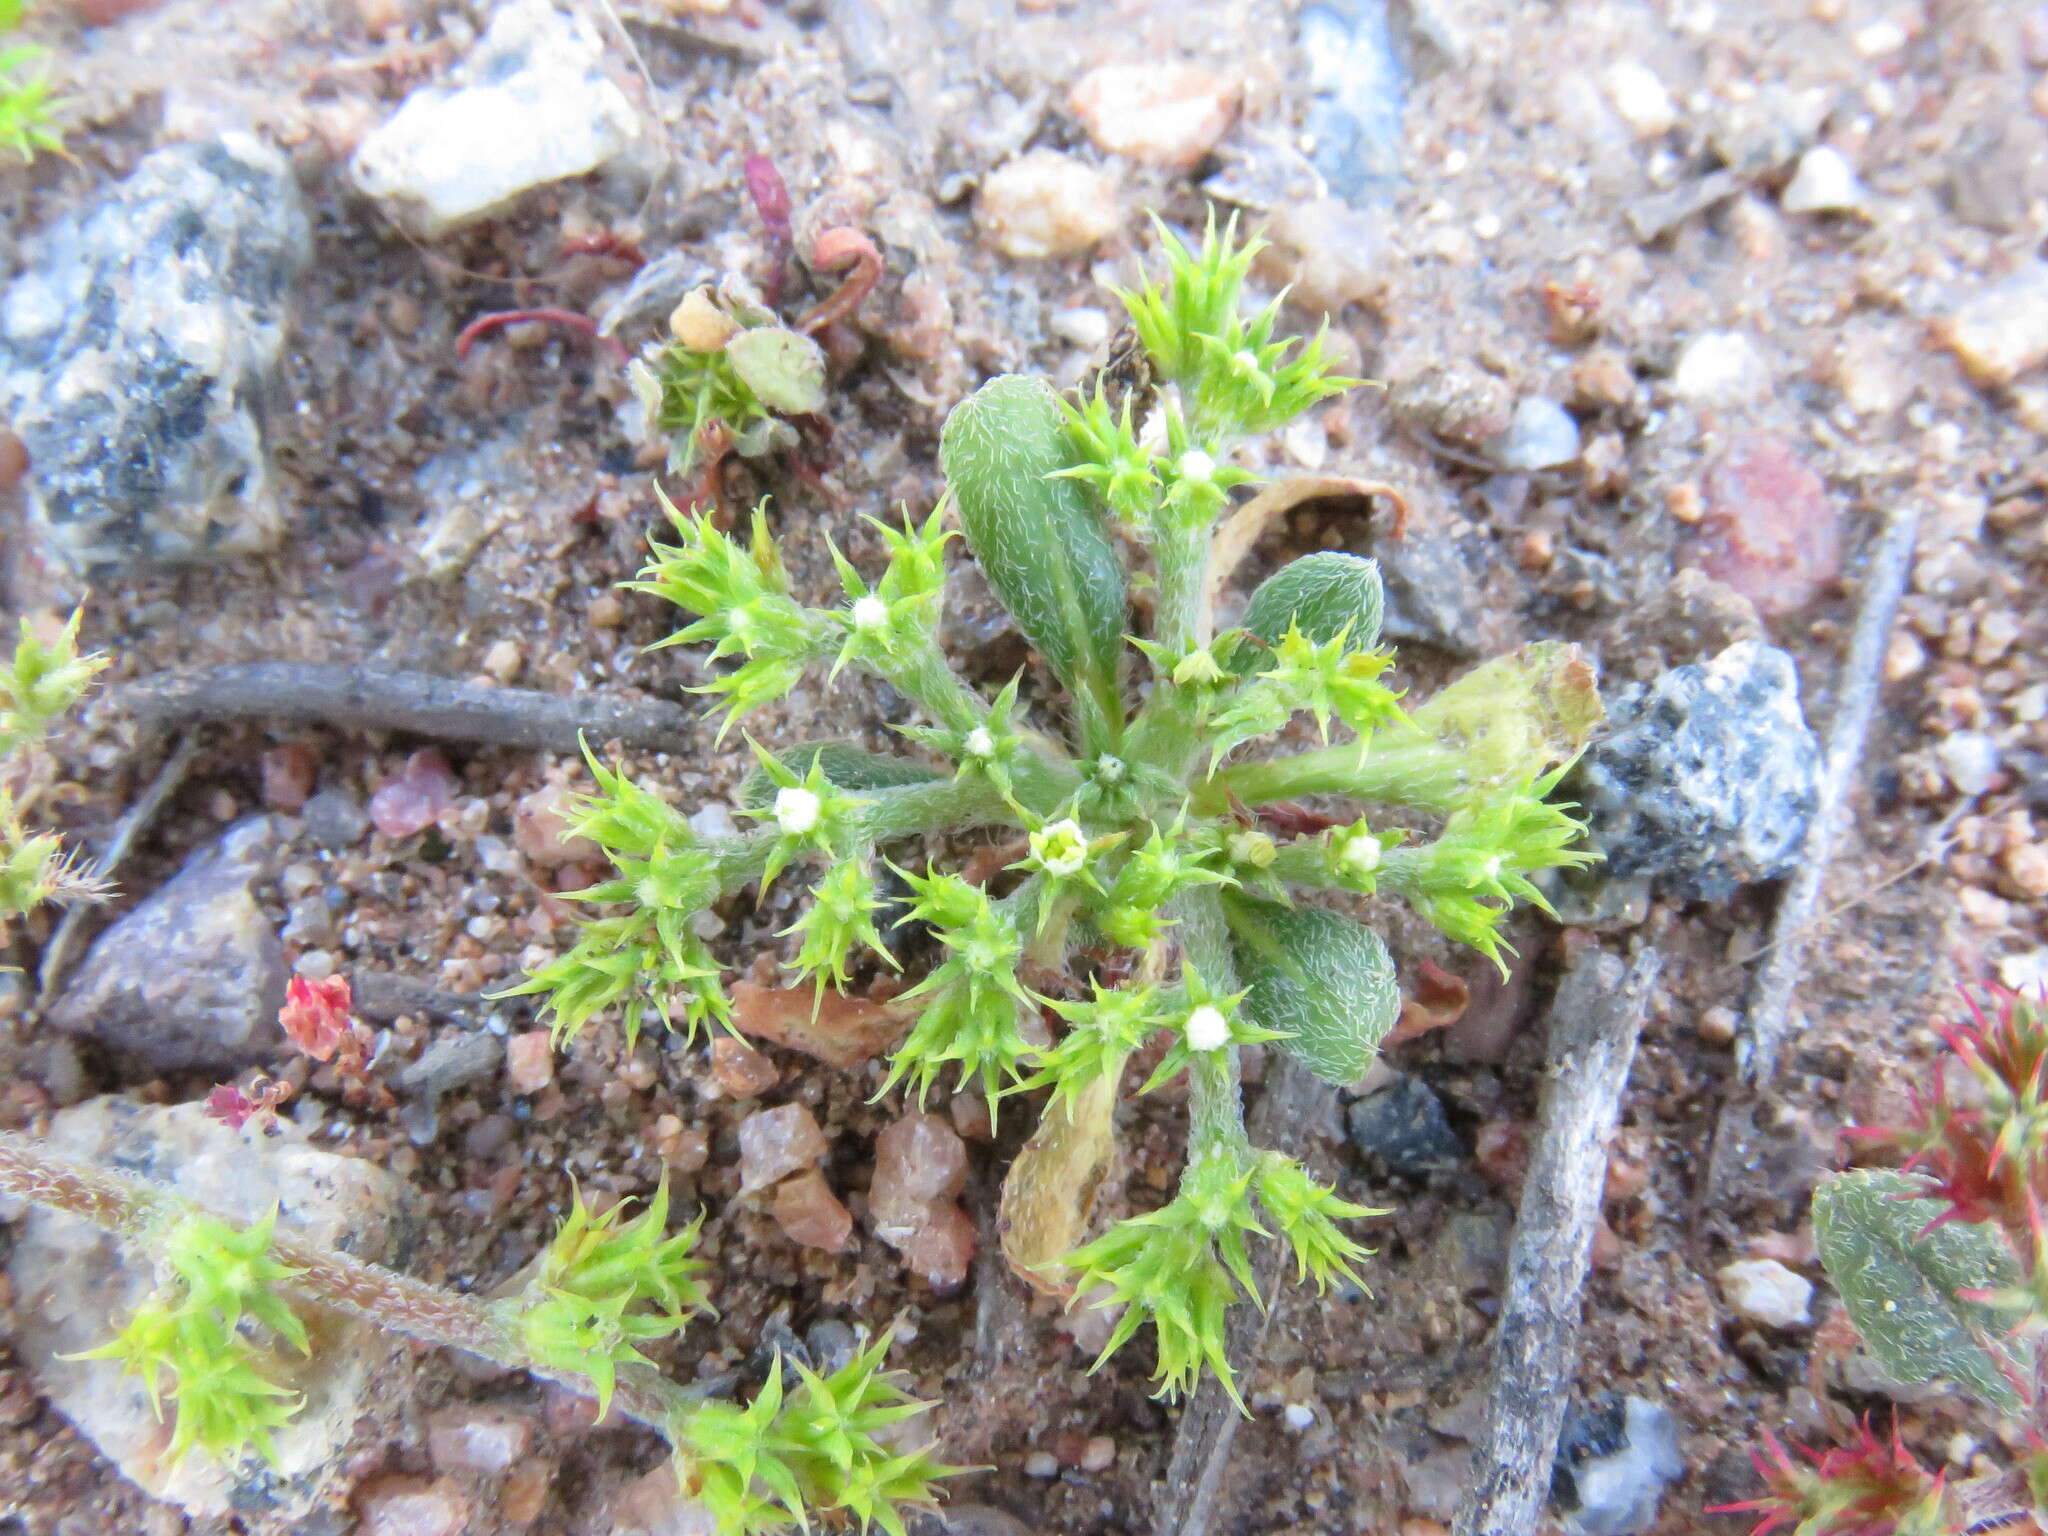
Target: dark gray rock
[
  {"x": 967, "y": 1520},
  {"x": 1404, "y": 1128},
  {"x": 139, "y": 355},
  {"x": 1432, "y": 593},
  {"x": 1707, "y": 778},
  {"x": 194, "y": 976},
  {"x": 1614, "y": 1460}
]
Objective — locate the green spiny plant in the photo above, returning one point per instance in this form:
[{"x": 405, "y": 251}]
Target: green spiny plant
[
  {"x": 39, "y": 684},
  {"x": 1942, "y": 1267},
  {"x": 27, "y": 102},
  {"x": 1148, "y": 896}
]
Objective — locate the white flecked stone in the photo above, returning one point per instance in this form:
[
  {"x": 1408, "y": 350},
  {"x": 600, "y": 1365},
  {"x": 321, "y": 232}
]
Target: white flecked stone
[{"x": 1765, "y": 1291}]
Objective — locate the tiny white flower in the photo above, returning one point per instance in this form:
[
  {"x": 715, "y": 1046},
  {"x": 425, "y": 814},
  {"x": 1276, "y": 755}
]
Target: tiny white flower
[
  {"x": 1360, "y": 853},
  {"x": 1207, "y": 1029},
  {"x": 1245, "y": 362},
  {"x": 870, "y": 612},
  {"x": 1246, "y": 846},
  {"x": 796, "y": 810},
  {"x": 1061, "y": 849},
  {"x": 980, "y": 743},
  {"x": 1109, "y": 769},
  {"x": 1196, "y": 465}
]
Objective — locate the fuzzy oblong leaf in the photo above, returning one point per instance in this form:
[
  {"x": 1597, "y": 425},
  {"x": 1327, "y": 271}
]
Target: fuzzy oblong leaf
[
  {"x": 1324, "y": 595},
  {"x": 1323, "y": 979},
  {"x": 853, "y": 769},
  {"x": 1900, "y": 1286},
  {"x": 1040, "y": 540},
  {"x": 1050, "y": 1188}
]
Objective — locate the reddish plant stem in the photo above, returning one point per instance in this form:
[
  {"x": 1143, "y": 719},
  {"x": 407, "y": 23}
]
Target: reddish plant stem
[
  {"x": 605, "y": 243},
  {"x": 770, "y": 194},
  {"x": 484, "y": 324},
  {"x": 842, "y": 250}
]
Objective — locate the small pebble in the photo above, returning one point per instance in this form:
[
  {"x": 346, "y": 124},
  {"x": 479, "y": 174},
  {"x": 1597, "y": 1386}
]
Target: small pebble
[
  {"x": 1298, "y": 1416},
  {"x": 1639, "y": 99},
  {"x": 1765, "y": 1291},
  {"x": 2002, "y": 331},
  {"x": 414, "y": 799},
  {"x": 540, "y": 827},
  {"x": 1155, "y": 112},
  {"x": 1099, "y": 1454},
  {"x": 410, "y": 1506},
  {"x": 712, "y": 820},
  {"x": 810, "y": 1214},
  {"x": 530, "y": 1061},
  {"x": 288, "y": 771},
  {"x": 606, "y": 611},
  {"x": 1716, "y": 1026},
  {"x": 1721, "y": 368},
  {"x": 334, "y": 820},
  {"x": 1041, "y": 1464},
  {"x": 775, "y": 1143},
  {"x": 1084, "y": 327},
  {"x": 1769, "y": 527},
  {"x": 1045, "y": 204},
  {"x": 477, "y": 1439},
  {"x": 503, "y": 660},
  {"x": 741, "y": 1071},
  {"x": 1824, "y": 183},
  {"x": 1542, "y": 435},
  {"x": 1971, "y": 761}
]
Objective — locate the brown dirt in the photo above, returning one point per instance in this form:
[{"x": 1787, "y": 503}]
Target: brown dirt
[{"x": 1517, "y": 178}]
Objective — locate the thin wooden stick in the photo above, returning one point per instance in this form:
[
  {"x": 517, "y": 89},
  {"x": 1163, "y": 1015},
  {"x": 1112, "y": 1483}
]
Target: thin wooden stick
[
  {"x": 1593, "y": 1026},
  {"x": 418, "y": 702},
  {"x": 1861, "y": 678}
]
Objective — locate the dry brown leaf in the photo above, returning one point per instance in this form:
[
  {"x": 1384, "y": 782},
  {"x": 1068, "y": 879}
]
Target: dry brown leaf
[
  {"x": 1240, "y": 531},
  {"x": 1051, "y": 1186}
]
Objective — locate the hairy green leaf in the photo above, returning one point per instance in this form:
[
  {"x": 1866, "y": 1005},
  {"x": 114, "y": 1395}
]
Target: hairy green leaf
[
  {"x": 851, "y": 768},
  {"x": 1900, "y": 1282},
  {"x": 1323, "y": 979},
  {"x": 1042, "y": 544},
  {"x": 1324, "y": 595},
  {"x": 785, "y": 369}
]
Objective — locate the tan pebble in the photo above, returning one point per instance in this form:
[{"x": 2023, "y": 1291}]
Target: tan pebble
[
  {"x": 2002, "y": 331},
  {"x": 530, "y": 1061},
  {"x": 1099, "y": 1454},
  {"x": 1047, "y": 204},
  {"x": 810, "y": 1214},
  {"x": 1903, "y": 656},
  {"x": 1601, "y": 380},
  {"x": 1716, "y": 1026},
  {"x": 1685, "y": 503},
  {"x": 477, "y": 1439},
  {"x": 525, "y": 1491},
  {"x": 1163, "y": 114},
  {"x": 606, "y": 611},
  {"x": 970, "y": 1116},
  {"x": 410, "y": 1506},
  {"x": 741, "y": 1070},
  {"x": 775, "y": 1143},
  {"x": 2027, "y": 867},
  {"x": 13, "y": 459},
  {"x": 503, "y": 660}
]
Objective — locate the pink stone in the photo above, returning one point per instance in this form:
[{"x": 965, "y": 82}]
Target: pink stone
[
  {"x": 809, "y": 1213},
  {"x": 477, "y": 1439},
  {"x": 1155, "y": 111},
  {"x": 410, "y": 1506},
  {"x": 539, "y": 824},
  {"x": 288, "y": 771},
  {"x": 530, "y": 1061},
  {"x": 415, "y": 799},
  {"x": 741, "y": 1070},
  {"x": 919, "y": 1162},
  {"x": 941, "y": 1250},
  {"x": 1769, "y": 529},
  {"x": 655, "y": 1505},
  {"x": 775, "y": 1143}
]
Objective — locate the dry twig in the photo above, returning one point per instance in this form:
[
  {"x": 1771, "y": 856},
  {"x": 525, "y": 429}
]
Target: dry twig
[
  {"x": 1593, "y": 1026},
  {"x": 425, "y": 705}
]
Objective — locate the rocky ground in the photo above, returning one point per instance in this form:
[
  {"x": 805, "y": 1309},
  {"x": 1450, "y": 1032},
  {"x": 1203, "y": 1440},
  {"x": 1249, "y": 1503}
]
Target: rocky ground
[{"x": 1674, "y": 303}]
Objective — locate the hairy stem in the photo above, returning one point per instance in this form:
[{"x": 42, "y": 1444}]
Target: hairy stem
[
  {"x": 1215, "y": 1109},
  {"x": 1183, "y": 622},
  {"x": 940, "y": 691},
  {"x": 132, "y": 1208},
  {"x": 1420, "y": 773}
]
